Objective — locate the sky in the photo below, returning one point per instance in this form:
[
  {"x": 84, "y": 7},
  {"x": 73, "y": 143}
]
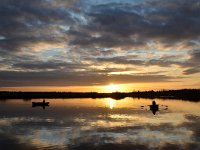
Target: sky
[{"x": 99, "y": 45}]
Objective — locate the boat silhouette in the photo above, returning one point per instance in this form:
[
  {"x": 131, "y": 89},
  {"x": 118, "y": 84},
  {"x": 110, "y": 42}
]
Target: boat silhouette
[
  {"x": 40, "y": 104},
  {"x": 154, "y": 107}
]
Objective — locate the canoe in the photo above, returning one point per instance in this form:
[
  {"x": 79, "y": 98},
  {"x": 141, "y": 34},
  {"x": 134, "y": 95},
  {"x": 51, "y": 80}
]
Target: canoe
[
  {"x": 40, "y": 104},
  {"x": 153, "y": 107}
]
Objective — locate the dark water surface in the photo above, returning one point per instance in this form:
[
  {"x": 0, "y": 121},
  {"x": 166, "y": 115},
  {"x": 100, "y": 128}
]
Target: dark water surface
[{"x": 99, "y": 124}]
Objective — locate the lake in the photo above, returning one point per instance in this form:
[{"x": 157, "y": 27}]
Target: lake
[{"x": 100, "y": 124}]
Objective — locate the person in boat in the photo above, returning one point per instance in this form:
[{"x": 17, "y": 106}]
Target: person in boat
[{"x": 154, "y": 107}]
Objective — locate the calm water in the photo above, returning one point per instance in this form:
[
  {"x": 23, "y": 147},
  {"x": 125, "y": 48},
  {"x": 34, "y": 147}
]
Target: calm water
[{"x": 99, "y": 124}]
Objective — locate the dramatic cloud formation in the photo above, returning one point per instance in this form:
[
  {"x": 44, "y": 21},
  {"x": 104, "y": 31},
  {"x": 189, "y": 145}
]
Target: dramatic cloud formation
[{"x": 86, "y": 42}]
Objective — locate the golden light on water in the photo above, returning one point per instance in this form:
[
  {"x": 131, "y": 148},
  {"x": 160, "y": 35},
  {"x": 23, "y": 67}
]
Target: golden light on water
[{"x": 111, "y": 103}]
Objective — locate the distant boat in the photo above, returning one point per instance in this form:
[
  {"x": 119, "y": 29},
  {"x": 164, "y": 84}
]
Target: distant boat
[
  {"x": 42, "y": 104},
  {"x": 154, "y": 107}
]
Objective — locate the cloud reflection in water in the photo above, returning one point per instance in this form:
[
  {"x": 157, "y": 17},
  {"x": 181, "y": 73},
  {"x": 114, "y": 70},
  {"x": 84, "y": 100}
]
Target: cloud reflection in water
[{"x": 93, "y": 124}]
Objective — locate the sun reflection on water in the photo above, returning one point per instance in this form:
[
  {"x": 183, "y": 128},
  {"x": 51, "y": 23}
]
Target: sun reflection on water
[
  {"x": 111, "y": 103},
  {"x": 71, "y": 122}
]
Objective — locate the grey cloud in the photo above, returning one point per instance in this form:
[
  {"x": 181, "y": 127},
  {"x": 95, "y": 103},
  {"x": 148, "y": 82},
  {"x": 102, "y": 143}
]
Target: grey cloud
[
  {"x": 115, "y": 21},
  {"x": 118, "y": 24},
  {"x": 108, "y": 70},
  {"x": 56, "y": 78},
  {"x": 40, "y": 65},
  {"x": 192, "y": 70},
  {"x": 161, "y": 63},
  {"x": 91, "y": 53},
  {"x": 193, "y": 63},
  {"x": 105, "y": 41},
  {"x": 168, "y": 22},
  {"x": 136, "y": 60},
  {"x": 11, "y": 45},
  {"x": 195, "y": 56},
  {"x": 131, "y": 59},
  {"x": 25, "y": 23}
]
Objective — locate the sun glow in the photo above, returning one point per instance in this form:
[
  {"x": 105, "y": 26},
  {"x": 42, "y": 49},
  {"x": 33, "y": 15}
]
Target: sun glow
[{"x": 112, "y": 88}]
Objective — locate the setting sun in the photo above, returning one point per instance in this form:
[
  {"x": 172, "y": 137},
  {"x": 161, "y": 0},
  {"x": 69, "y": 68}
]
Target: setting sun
[{"x": 112, "y": 88}]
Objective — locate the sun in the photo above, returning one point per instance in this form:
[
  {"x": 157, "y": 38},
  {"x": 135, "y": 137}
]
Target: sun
[{"x": 112, "y": 88}]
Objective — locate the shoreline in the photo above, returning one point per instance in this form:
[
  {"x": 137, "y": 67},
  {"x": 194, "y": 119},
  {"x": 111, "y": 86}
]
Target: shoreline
[{"x": 184, "y": 94}]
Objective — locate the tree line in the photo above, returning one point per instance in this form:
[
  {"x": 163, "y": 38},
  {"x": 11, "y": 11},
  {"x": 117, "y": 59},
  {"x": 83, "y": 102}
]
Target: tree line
[{"x": 184, "y": 94}]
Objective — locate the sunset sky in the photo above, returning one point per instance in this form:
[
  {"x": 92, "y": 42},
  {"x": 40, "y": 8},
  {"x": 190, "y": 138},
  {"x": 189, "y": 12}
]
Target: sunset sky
[{"x": 99, "y": 45}]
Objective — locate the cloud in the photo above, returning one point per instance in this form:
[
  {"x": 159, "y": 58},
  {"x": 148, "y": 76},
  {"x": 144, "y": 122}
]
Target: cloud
[
  {"x": 122, "y": 60},
  {"x": 116, "y": 24},
  {"x": 56, "y": 78},
  {"x": 95, "y": 36},
  {"x": 193, "y": 63},
  {"x": 25, "y": 24},
  {"x": 39, "y": 65},
  {"x": 191, "y": 71},
  {"x": 167, "y": 23}
]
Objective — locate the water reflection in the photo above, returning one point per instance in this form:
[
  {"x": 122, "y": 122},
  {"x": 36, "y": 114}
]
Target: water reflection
[
  {"x": 99, "y": 124},
  {"x": 111, "y": 103}
]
